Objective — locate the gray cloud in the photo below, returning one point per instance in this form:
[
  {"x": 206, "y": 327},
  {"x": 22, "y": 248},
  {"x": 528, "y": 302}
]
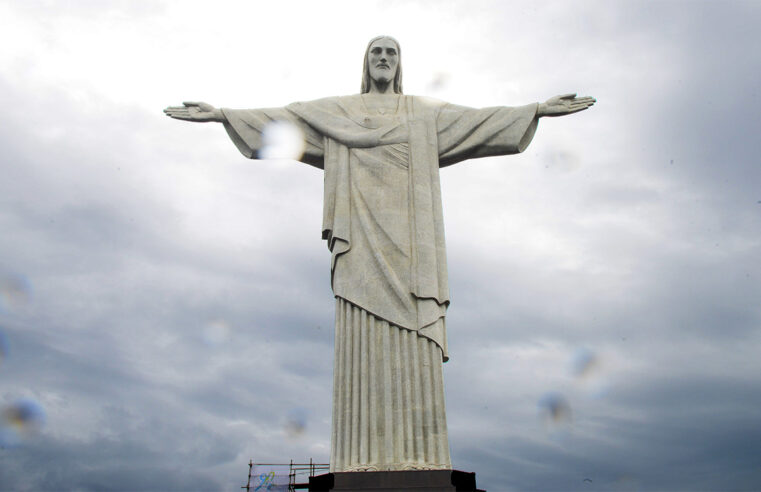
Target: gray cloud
[{"x": 633, "y": 232}]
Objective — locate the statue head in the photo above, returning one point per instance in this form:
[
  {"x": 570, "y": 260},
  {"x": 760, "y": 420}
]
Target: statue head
[{"x": 369, "y": 72}]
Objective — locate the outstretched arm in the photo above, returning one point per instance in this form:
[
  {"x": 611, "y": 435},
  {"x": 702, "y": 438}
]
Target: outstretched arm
[
  {"x": 563, "y": 105},
  {"x": 200, "y": 112}
]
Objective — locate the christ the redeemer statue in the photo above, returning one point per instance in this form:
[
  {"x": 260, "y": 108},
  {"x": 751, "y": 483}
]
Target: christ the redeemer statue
[{"x": 381, "y": 152}]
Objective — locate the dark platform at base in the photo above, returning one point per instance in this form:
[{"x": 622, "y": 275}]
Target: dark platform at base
[{"x": 390, "y": 481}]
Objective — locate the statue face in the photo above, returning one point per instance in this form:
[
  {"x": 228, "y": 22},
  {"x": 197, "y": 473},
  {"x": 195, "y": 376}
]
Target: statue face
[{"x": 383, "y": 60}]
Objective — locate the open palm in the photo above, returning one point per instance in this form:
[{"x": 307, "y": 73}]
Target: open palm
[
  {"x": 565, "y": 104},
  {"x": 194, "y": 111}
]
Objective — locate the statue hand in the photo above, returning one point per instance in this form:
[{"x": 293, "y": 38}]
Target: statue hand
[
  {"x": 195, "y": 111},
  {"x": 563, "y": 105}
]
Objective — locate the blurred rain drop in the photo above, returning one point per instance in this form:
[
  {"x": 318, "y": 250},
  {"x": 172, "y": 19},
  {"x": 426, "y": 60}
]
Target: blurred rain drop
[
  {"x": 216, "y": 333},
  {"x": 19, "y": 420},
  {"x": 627, "y": 482},
  {"x": 282, "y": 140},
  {"x": 588, "y": 368},
  {"x": 554, "y": 409},
  {"x": 14, "y": 291},
  {"x": 3, "y": 347},
  {"x": 439, "y": 82},
  {"x": 296, "y": 422},
  {"x": 584, "y": 363}
]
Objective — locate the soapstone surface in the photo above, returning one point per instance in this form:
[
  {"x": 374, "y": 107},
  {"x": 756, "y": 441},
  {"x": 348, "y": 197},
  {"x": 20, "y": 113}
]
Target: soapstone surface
[{"x": 381, "y": 152}]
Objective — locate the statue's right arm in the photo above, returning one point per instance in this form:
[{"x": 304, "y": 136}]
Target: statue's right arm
[
  {"x": 247, "y": 128},
  {"x": 200, "y": 112}
]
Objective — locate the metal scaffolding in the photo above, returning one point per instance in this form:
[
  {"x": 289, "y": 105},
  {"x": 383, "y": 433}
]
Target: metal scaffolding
[{"x": 298, "y": 475}]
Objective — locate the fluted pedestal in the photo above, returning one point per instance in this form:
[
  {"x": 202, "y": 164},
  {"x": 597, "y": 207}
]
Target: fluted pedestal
[{"x": 388, "y": 397}]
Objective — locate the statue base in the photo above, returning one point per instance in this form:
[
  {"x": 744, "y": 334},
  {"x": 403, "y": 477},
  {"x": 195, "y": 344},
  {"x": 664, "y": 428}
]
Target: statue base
[{"x": 390, "y": 481}]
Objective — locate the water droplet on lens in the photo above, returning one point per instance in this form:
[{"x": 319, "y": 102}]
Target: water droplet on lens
[
  {"x": 282, "y": 140},
  {"x": 555, "y": 409},
  {"x": 3, "y": 347},
  {"x": 627, "y": 482},
  {"x": 591, "y": 371},
  {"x": 216, "y": 333},
  {"x": 14, "y": 291},
  {"x": 296, "y": 422},
  {"x": 584, "y": 363},
  {"x": 440, "y": 81},
  {"x": 19, "y": 420}
]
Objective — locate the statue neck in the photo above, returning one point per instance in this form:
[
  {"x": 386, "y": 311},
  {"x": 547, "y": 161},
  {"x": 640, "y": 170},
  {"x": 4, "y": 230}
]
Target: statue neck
[{"x": 377, "y": 87}]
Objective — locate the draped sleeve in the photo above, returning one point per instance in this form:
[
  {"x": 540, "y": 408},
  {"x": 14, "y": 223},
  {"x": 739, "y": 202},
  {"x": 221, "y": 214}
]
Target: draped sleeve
[
  {"x": 245, "y": 126},
  {"x": 467, "y": 133}
]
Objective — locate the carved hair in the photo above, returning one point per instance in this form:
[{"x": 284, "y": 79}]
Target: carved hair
[{"x": 366, "y": 68}]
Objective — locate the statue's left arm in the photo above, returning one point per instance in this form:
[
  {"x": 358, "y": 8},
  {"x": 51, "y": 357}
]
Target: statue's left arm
[
  {"x": 468, "y": 133},
  {"x": 564, "y": 105}
]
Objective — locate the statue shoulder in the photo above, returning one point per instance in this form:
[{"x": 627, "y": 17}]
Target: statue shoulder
[
  {"x": 318, "y": 103},
  {"x": 425, "y": 107},
  {"x": 428, "y": 102}
]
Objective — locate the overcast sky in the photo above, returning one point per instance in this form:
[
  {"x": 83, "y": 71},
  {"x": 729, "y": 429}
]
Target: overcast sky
[{"x": 165, "y": 302}]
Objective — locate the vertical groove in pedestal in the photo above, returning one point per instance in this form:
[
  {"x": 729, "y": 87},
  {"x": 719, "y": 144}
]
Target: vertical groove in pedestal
[
  {"x": 440, "y": 417},
  {"x": 388, "y": 397},
  {"x": 385, "y": 388},
  {"x": 427, "y": 409},
  {"x": 364, "y": 390},
  {"x": 375, "y": 422},
  {"x": 346, "y": 382},
  {"x": 407, "y": 425},
  {"x": 398, "y": 397},
  {"x": 337, "y": 370},
  {"x": 355, "y": 386},
  {"x": 417, "y": 402}
]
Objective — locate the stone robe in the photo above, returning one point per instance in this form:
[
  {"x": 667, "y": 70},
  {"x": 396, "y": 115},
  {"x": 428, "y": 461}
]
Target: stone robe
[{"x": 383, "y": 224}]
